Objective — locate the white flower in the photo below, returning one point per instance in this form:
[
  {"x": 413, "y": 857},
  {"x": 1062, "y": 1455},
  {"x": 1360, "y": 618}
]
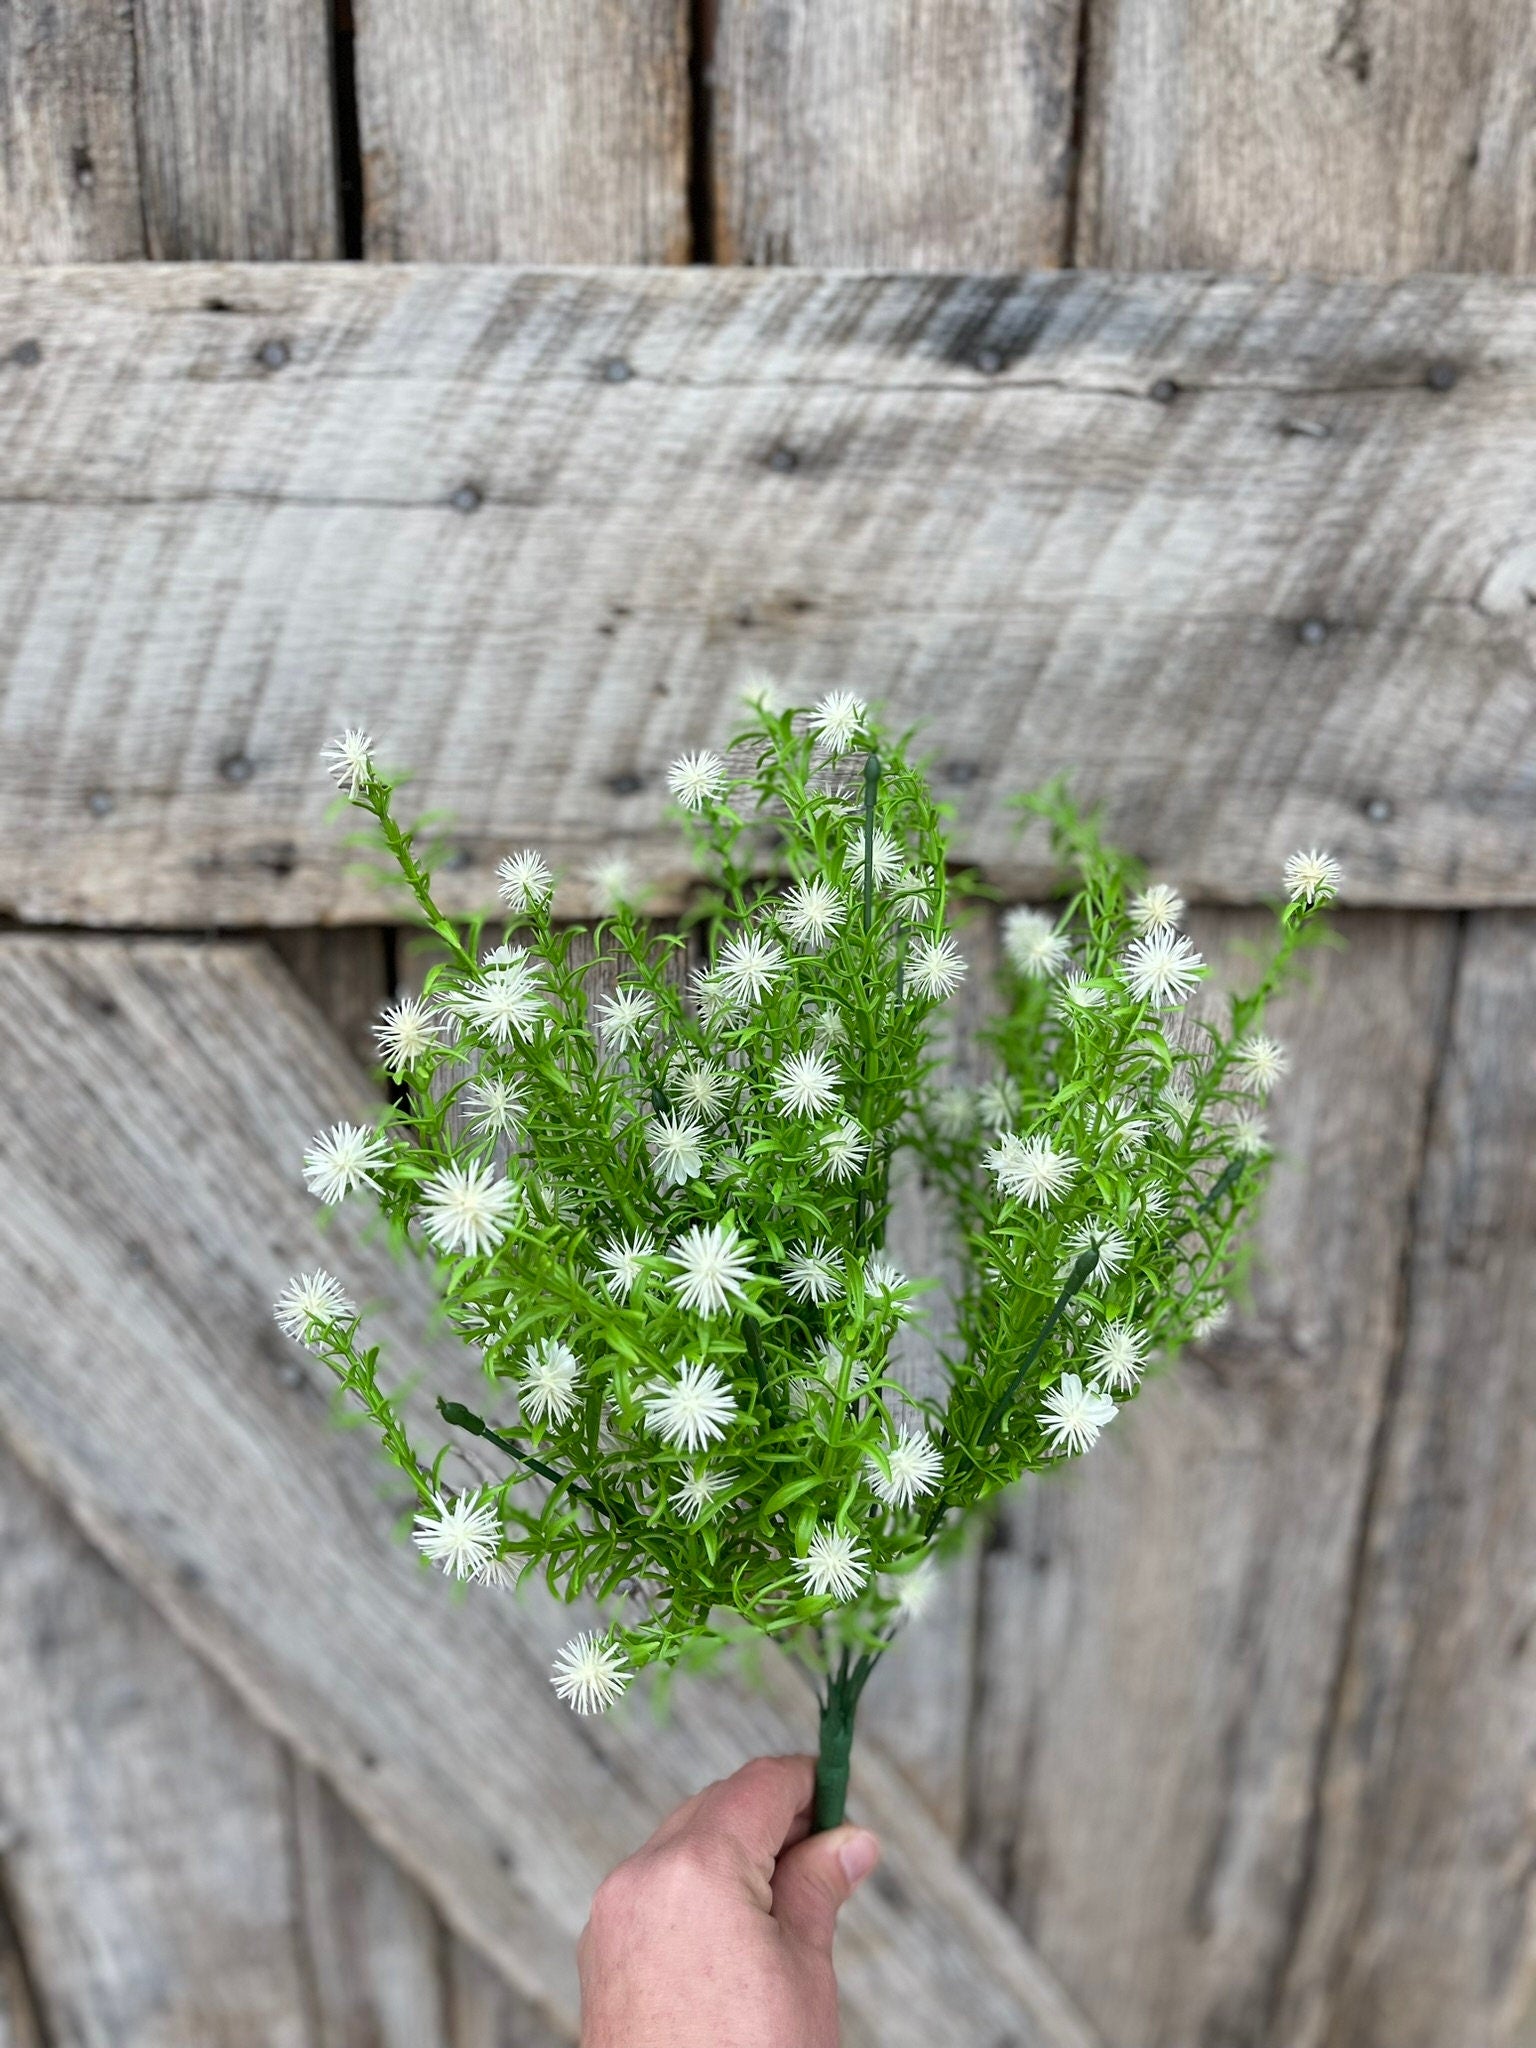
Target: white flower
[
  {"x": 1263, "y": 1061},
  {"x": 935, "y": 968},
  {"x": 590, "y": 1673},
  {"x": 1211, "y": 1311},
  {"x": 508, "y": 1002},
  {"x": 1162, "y": 968},
  {"x": 499, "y": 1572},
  {"x": 835, "y": 1565},
  {"x": 461, "y": 1535},
  {"x": 890, "y": 1284},
  {"x": 748, "y": 963},
  {"x": 712, "y": 1267},
  {"x": 1112, "y": 1246},
  {"x": 311, "y": 1298},
  {"x": 1074, "y": 1414},
  {"x": 349, "y": 760},
  {"x": 622, "y": 1260},
  {"x": 912, "y": 894},
  {"x": 997, "y": 1102},
  {"x": 1034, "y": 945},
  {"x": 1119, "y": 1355},
  {"x": 811, "y": 912},
  {"x": 844, "y": 1149},
  {"x": 806, "y": 1084},
  {"x": 833, "y": 1363},
  {"x": 1127, "y": 1132},
  {"x": 811, "y": 1275},
  {"x": 677, "y": 1146},
  {"x": 524, "y": 880},
  {"x": 406, "y": 1030},
  {"x": 703, "y": 1088},
  {"x": 547, "y": 1384},
  {"x": 613, "y": 883},
  {"x": 1031, "y": 1169},
  {"x": 1152, "y": 1199},
  {"x": 1175, "y": 1107},
  {"x": 1076, "y": 994},
  {"x": 838, "y": 720},
  {"x": 761, "y": 693},
  {"x": 1313, "y": 877},
  {"x": 913, "y": 1464},
  {"x": 717, "y": 1002},
  {"x": 1248, "y": 1136},
  {"x": 694, "y": 1410},
  {"x": 886, "y": 860},
  {"x": 696, "y": 778},
  {"x": 954, "y": 1112},
  {"x": 1157, "y": 909},
  {"x": 341, "y": 1159},
  {"x": 497, "y": 1106},
  {"x": 467, "y": 1209},
  {"x": 696, "y": 1489},
  {"x": 621, "y": 1019},
  {"x": 827, "y": 1024},
  {"x": 913, "y": 1591}
]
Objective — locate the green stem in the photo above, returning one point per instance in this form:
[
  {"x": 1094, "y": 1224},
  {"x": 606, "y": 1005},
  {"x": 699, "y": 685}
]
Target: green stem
[{"x": 839, "y": 1709}]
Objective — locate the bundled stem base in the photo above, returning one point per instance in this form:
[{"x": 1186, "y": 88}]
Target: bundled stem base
[{"x": 839, "y": 1709}]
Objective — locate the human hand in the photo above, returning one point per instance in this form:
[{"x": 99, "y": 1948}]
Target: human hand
[{"x": 717, "y": 1933}]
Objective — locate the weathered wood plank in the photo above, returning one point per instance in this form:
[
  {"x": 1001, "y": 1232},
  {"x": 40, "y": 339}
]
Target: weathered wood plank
[
  {"x": 347, "y": 975},
  {"x": 1226, "y": 549},
  {"x": 204, "y": 1464},
  {"x": 486, "y": 2014},
  {"x": 935, "y": 135},
  {"x": 524, "y": 132},
  {"x": 69, "y": 164},
  {"x": 1238, "y": 134},
  {"x": 1160, "y": 1628},
  {"x": 1418, "y": 1927}
]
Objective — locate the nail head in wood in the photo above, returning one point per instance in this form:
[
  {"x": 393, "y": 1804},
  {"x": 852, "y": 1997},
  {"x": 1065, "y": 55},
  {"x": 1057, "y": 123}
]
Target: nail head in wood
[
  {"x": 272, "y": 355},
  {"x": 466, "y": 498},
  {"x": 1312, "y": 632},
  {"x": 26, "y": 353},
  {"x": 1442, "y": 376},
  {"x": 1165, "y": 391},
  {"x": 1378, "y": 809},
  {"x": 616, "y": 370},
  {"x": 237, "y": 768}
]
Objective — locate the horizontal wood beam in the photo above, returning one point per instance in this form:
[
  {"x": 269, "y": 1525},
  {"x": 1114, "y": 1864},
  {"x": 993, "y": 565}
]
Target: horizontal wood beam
[{"x": 1252, "y": 559}]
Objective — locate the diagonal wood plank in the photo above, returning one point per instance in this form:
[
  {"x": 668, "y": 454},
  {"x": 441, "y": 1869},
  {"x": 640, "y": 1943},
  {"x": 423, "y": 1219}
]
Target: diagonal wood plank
[
  {"x": 157, "y": 1094},
  {"x": 531, "y": 527}
]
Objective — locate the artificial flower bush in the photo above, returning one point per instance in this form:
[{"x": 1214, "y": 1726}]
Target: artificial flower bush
[{"x": 659, "y": 1214}]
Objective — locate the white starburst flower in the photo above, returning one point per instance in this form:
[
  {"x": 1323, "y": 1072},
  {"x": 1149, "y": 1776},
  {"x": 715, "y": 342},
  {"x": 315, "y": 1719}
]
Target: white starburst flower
[
  {"x": 696, "y": 1489},
  {"x": 1263, "y": 1062},
  {"x": 1152, "y": 1200},
  {"x": 913, "y": 1591},
  {"x": 717, "y": 1003},
  {"x": 496, "y": 1106},
  {"x": 703, "y": 1089},
  {"x": 811, "y": 912},
  {"x": 622, "y": 1261},
  {"x": 1248, "y": 1135},
  {"x": 696, "y": 1409},
  {"x": 1127, "y": 1132},
  {"x": 839, "y": 720},
  {"x": 546, "y": 1386},
  {"x": 1158, "y": 908},
  {"x": 613, "y": 883},
  {"x": 997, "y": 1102},
  {"x": 748, "y": 965},
  {"x": 677, "y": 1148},
  {"x": 1162, "y": 969},
  {"x": 811, "y": 1274},
  {"x": 508, "y": 1001},
  {"x": 1112, "y": 1246},
  {"x": 467, "y": 1209},
  {"x": 1313, "y": 877},
  {"x": 833, "y": 1362},
  {"x": 623, "y": 1016},
  {"x": 1119, "y": 1355},
  {"x": 760, "y": 692},
  {"x": 954, "y": 1112},
  {"x": 1175, "y": 1107},
  {"x": 827, "y": 1025},
  {"x": 349, "y": 759},
  {"x": 590, "y": 1673},
  {"x": 1075, "y": 995},
  {"x": 1211, "y": 1311},
  {"x": 499, "y": 1573},
  {"x": 1033, "y": 944},
  {"x": 1031, "y": 1170},
  {"x": 461, "y": 1534},
  {"x": 524, "y": 880},
  {"x": 696, "y": 779},
  {"x": 712, "y": 1266},
  {"x": 935, "y": 968},
  {"x": 341, "y": 1159},
  {"x": 1072, "y": 1415},
  {"x": 889, "y": 1285},
  {"x": 552, "y": 1201},
  {"x": 406, "y": 1030},
  {"x": 835, "y": 1565},
  {"x": 912, "y": 896},
  {"x": 886, "y": 859},
  {"x": 806, "y": 1084},
  {"x": 310, "y": 1299},
  {"x": 844, "y": 1150},
  {"x": 912, "y": 1465}
]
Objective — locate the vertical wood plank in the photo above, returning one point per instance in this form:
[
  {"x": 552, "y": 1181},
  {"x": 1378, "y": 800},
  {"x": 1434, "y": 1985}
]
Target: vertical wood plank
[
  {"x": 931, "y": 134},
  {"x": 346, "y": 972},
  {"x": 1326, "y": 135},
  {"x": 69, "y": 164},
  {"x": 524, "y": 132},
  {"x": 1419, "y": 1928}
]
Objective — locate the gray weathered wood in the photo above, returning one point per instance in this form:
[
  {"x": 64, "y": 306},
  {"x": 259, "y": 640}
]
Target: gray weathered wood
[
  {"x": 1418, "y": 1927},
  {"x": 69, "y": 166},
  {"x": 1312, "y": 135},
  {"x": 346, "y": 974},
  {"x": 1288, "y": 605},
  {"x": 524, "y": 132},
  {"x": 1161, "y": 1626},
  {"x": 932, "y": 135},
  {"x": 488, "y": 2015},
  {"x": 156, "y": 1097}
]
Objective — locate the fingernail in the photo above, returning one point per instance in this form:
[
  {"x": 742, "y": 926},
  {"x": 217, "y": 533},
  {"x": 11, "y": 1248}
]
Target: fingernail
[{"x": 858, "y": 1856}]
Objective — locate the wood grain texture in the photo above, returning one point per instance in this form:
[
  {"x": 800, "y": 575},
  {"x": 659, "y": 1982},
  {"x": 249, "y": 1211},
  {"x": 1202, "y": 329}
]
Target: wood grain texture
[
  {"x": 524, "y": 132},
  {"x": 1160, "y": 1628},
  {"x": 933, "y": 134},
  {"x": 1222, "y": 548},
  {"x": 347, "y": 975},
  {"x": 1419, "y": 1922},
  {"x": 1326, "y": 135},
  {"x": 195, "y": 1447},
  {"x": 69, "y": 164}
]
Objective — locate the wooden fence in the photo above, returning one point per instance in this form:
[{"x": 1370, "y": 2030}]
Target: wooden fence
[{"x": 1141, "y": 386}]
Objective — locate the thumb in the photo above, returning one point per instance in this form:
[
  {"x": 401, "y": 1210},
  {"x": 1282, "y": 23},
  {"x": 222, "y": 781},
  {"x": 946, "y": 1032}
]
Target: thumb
[{"x": 812, "y": 1881}]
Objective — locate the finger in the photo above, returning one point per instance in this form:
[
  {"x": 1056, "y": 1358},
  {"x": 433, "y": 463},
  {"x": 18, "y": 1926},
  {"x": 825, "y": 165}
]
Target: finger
[
  {"x": 815, "y": 1879},
  {"x": 759, "y": 1809}
]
